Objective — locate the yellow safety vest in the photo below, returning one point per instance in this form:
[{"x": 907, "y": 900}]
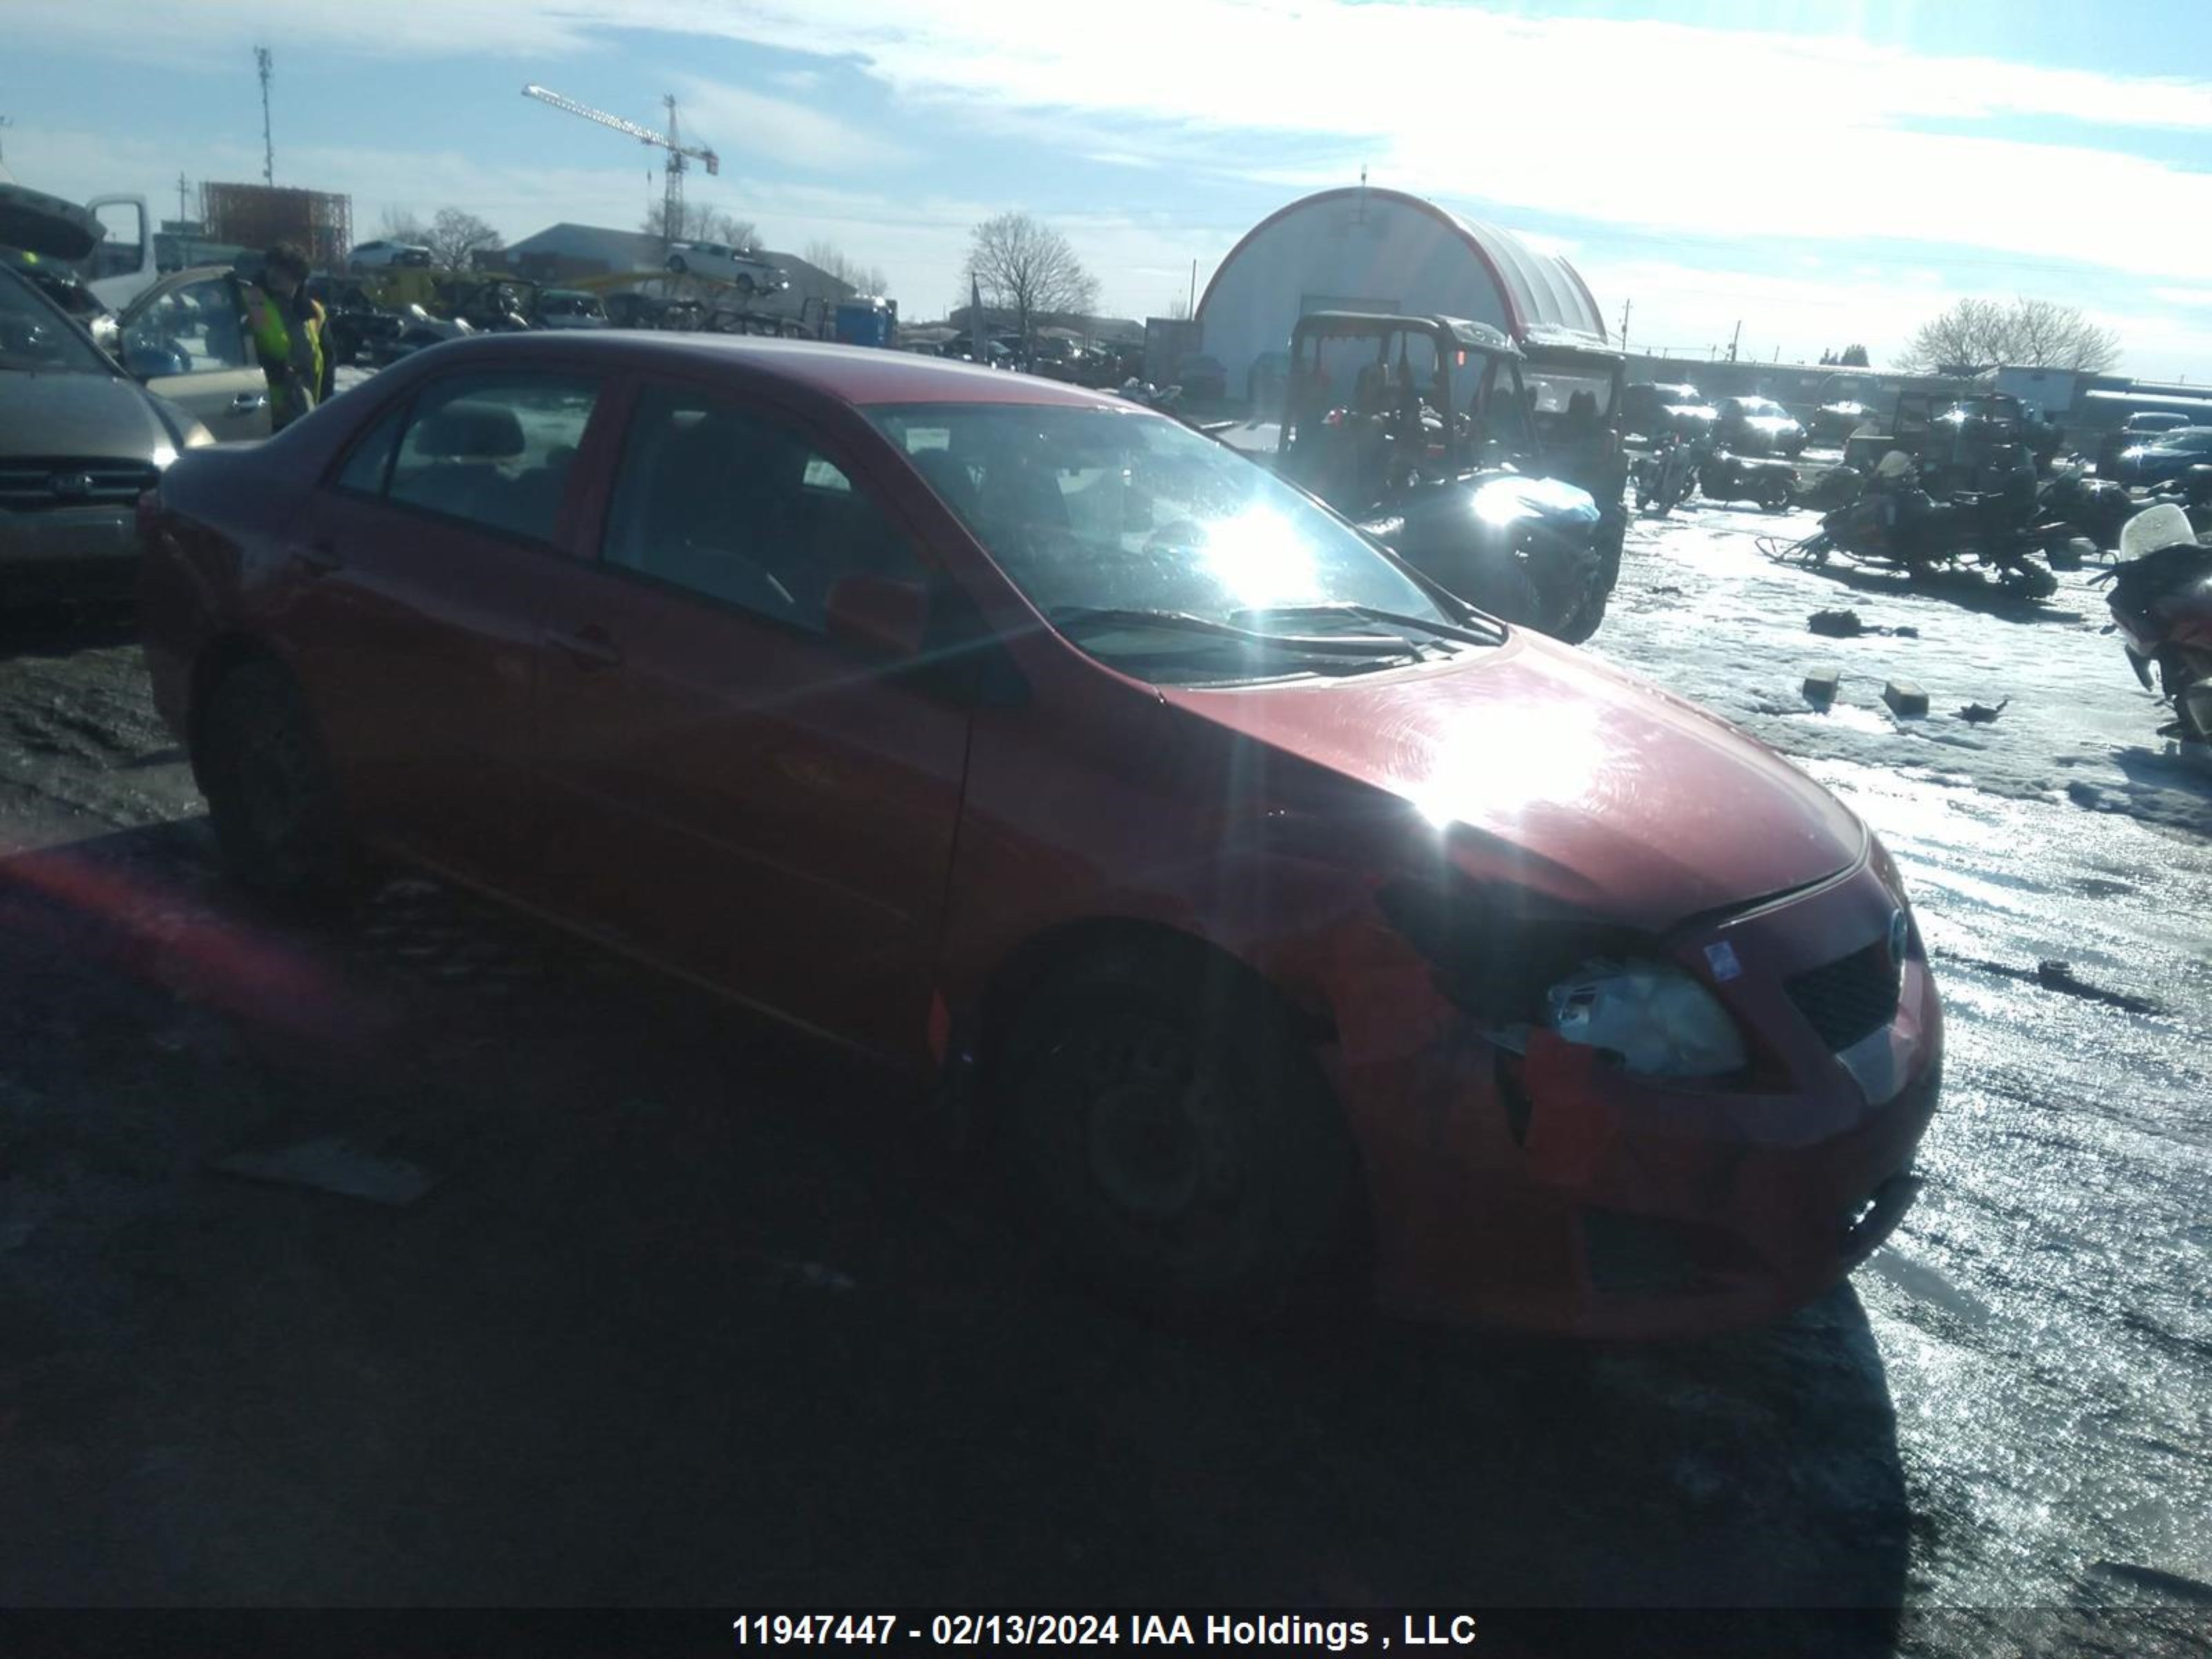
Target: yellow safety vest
[{"x": 272, "y": 338}]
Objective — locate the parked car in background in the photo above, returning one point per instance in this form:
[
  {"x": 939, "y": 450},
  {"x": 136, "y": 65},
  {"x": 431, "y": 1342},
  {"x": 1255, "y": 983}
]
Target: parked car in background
[
  {"x": 2167, "y": 455},
  {"x": 1651, "y": 409},
  {"x": 353, "y": 321},
  {"x": 79, "y": 441},
  {"x": 1758, "y": 426},
  {"x": 627, "y": 308},
  {"x": 568, "y": 308},
  {"x": 1833, "y": 423},
  {"x": 382, "y": 255},
  {"x": 747, "y": 272},
  {"x": 1288, "y": 927}
]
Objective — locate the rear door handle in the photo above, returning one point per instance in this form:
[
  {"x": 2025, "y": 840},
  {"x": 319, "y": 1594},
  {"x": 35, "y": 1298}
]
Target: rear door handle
[
  {"x": 321, "y": 556},
  {"x": 589, "y": 647},
  {"x": 249, "y": 403}
]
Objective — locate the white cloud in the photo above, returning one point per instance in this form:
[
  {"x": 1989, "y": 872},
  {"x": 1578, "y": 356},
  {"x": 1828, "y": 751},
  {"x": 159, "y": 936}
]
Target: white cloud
[
  {"x": 2182, "y": 296},
  {"x": 750, "y": 124}
]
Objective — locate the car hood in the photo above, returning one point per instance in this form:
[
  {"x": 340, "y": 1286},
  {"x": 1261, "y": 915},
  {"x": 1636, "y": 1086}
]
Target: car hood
[
  {"x": 89, "y": 417},
  {"x": 1576, "y": 778},
  {"x": 1770, "y": 423}
]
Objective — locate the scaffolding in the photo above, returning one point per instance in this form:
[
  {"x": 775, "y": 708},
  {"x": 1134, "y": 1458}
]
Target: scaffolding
[{"x": 255, "y": 215}]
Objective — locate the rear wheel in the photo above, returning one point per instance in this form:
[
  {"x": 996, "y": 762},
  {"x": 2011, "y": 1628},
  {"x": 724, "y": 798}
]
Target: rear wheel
[
  {"x": 274, "y": 804},
  {"x": 1170, "y": 1135},
  {"x": 744, "y": 288},
  {"x": 1774, "y": 495},
  {"x": 676, "y": 264}
]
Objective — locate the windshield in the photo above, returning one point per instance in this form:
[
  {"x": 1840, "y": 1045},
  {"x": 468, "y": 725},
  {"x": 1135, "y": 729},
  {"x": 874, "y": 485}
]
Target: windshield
[
  {"x": 1096, "y": 510},
  {"x": 35, "y": 336}
]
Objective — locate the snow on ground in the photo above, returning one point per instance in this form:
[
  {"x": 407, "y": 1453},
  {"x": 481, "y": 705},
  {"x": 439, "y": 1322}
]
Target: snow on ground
[{"x": 2042, "y": 1315}]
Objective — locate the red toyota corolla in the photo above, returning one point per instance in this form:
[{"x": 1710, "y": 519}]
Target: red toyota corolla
[{"x": 1280, "y": 922}]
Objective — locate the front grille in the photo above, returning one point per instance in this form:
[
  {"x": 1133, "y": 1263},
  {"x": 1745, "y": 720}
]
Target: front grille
[
  {"x": 34, "y": 483},
  {"x": 1852, "y": 998}
]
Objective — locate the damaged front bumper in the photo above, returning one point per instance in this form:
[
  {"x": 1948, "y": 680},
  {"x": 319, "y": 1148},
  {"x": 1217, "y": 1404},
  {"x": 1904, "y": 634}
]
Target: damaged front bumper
[{"x": 1556, "y": 1192}]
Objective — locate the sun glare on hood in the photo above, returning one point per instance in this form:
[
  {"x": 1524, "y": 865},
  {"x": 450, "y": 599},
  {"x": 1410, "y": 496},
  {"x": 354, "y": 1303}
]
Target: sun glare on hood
[{"x": 1487, "y": 768}]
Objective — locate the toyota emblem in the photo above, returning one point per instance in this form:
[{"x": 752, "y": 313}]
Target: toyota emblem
[
  {"x": 70, "y": 486},
  {"x": 1901, "y": 931}
]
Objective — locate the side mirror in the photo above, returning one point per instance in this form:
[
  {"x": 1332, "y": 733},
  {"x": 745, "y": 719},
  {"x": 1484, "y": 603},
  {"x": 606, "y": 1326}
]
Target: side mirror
[
  {"x": 878, "y": 617},
  {"x": 149, "y": 362}
]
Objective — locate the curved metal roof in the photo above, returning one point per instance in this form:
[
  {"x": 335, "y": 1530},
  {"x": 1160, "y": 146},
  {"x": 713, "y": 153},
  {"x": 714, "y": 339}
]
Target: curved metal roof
[{"x": 1544, "y": 296}]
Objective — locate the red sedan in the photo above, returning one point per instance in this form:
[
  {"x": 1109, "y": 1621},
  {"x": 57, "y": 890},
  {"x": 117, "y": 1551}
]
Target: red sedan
[{"x": 1280, "y": 921}]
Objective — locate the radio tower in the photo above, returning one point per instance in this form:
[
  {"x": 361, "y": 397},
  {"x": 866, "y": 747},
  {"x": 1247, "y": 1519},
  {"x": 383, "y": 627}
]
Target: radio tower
[{"x": 268, "y": 146}]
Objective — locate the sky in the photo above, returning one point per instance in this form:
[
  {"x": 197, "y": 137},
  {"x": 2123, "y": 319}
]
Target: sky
[{"x": 1821, "y": 172}]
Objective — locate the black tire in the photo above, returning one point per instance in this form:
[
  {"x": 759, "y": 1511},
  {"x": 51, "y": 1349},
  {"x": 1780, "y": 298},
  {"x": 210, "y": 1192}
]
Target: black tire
[
  {"x": 1774, "y": 495},
  {"x": 278, "y": 823},
  {"x": 1170, "y": 1136},
  {"x": 1584, "y": 622},
  {"x": 676, "y": 264}
]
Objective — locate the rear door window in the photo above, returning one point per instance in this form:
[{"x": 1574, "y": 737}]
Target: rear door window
[
  {"x": 736, "y": 506},
  {"x": 494, "y": 450}
]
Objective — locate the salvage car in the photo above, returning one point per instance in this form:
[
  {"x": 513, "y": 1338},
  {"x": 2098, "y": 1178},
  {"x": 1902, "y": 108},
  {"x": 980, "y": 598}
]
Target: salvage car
[
  {"x": 79, "y": 441},
  {"x": 1758, "y": 426},
  {"x": 2167, "y": 455},
  {"x": 1289, "y": 928},
  {"x": 1653, "y": 408},
  {"x": 747, "y": 273}
]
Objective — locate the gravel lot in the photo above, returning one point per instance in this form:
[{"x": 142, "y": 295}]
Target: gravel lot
[{"x": 694, "y": 1315}]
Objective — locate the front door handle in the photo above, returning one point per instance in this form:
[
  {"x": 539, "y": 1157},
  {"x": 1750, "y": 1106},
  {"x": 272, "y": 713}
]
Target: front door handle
[
  {"x": 249, "y": 403},
  {"x": 589, "y": 647},
  {"x": 321, "y": 556}
]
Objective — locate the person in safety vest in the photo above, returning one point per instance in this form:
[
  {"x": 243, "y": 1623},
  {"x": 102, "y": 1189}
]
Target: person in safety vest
[{"x": 288, "y": 331}]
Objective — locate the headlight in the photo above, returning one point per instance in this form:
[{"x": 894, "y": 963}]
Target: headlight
[{"x": 1660, "y": 1021}]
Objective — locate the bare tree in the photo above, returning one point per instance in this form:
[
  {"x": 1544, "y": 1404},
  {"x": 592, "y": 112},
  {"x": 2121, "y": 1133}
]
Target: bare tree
[
  {"x": 1854, "y": 356},
  {"x": 454, "y": 234},
  {"x": 1975, "y": 334},
  {"x": 1178, "y": 308},
  {"x": 696, "y": 222},
  {"x": 401, "y": 225},
  {"x": 1016, "y": 261},
  {"x": 834, "y": 261}
]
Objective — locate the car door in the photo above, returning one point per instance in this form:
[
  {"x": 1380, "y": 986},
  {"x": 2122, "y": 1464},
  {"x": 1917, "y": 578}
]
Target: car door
[
  {"x": 185, "y": 339},
  {"x": 418, "y": 565},
  {"x": 727, "y": 790}
]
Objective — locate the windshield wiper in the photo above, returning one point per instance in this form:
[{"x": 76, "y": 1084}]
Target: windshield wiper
[
  {"x": 1470, "y": 633},
  {"x": 1325, "y": 645}
]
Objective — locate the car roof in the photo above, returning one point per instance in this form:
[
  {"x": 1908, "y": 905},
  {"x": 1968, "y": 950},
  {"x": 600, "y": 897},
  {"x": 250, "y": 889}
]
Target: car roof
[{"x": 861, "y": 375}]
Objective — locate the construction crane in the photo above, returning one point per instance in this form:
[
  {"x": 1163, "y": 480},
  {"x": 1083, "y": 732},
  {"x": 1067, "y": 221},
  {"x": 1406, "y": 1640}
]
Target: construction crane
[{"x": 671, "y": 219}]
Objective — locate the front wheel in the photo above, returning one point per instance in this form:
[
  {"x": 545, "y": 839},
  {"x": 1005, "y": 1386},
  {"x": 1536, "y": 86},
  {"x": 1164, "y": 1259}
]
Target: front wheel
[
  {"x": 1170, "y": 1136},
  {"x": 744, "y": 288},
  {"x": 676, "y": 264},
  {"x": 1774, "y": 495},
  {"x": 270, "y": 795}
]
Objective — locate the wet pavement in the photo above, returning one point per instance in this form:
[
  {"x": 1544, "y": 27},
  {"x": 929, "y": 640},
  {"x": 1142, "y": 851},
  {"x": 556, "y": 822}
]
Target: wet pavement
[{"x": 693, "y": 1313}]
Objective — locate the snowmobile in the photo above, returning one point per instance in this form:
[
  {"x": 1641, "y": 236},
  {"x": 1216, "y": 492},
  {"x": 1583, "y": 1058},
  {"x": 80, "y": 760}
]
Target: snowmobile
[
  {"x": 2161, "y": 606},
  {"x": 1898, "y": 524}
]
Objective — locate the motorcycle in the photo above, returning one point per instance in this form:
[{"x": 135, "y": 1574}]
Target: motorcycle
[
  {"x": 1897, "y": 524},
  {"x": 2161, "y": 606},
  {"x": 1726, "y": 477},
  {"x": 1665, "y": 476}
]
